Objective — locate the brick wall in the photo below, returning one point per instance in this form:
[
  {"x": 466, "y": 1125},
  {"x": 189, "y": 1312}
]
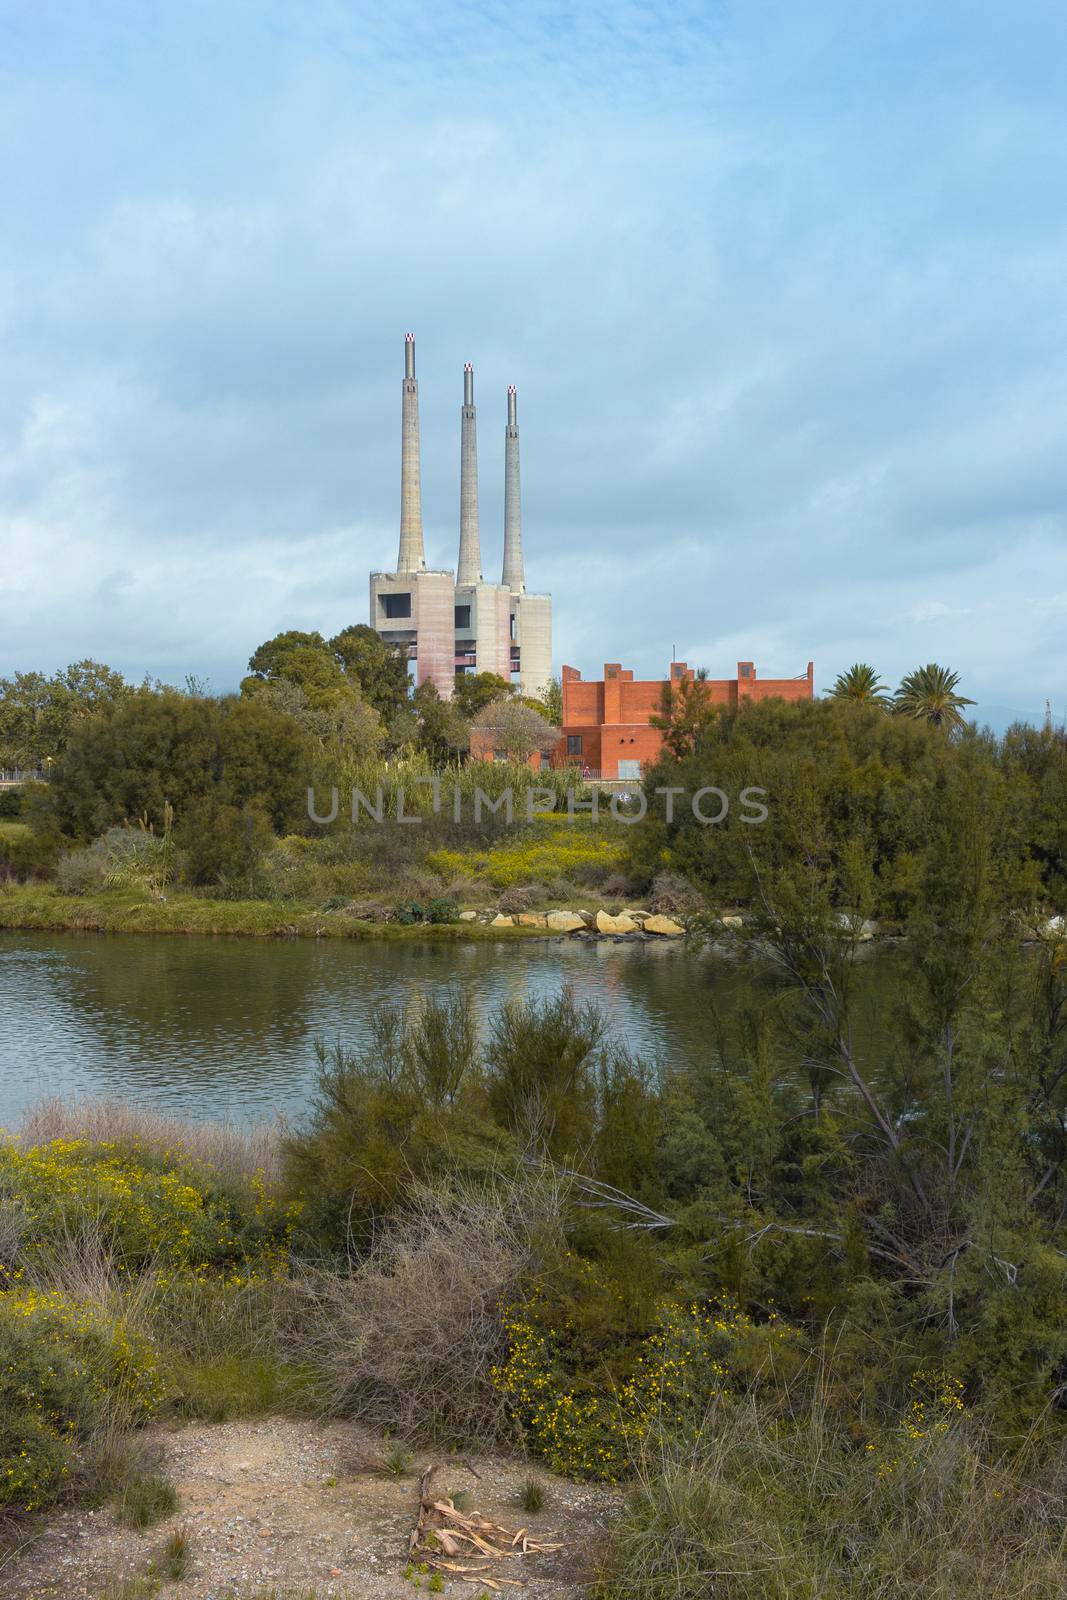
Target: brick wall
[{"x": 610, "y": 716}]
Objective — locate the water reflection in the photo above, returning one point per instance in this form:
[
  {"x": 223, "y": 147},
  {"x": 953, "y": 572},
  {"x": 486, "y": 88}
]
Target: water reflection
[{"x": 227, "y": 1027}]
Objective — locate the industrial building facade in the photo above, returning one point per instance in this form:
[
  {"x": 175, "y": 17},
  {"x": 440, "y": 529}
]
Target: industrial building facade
[
  {"x": 450, "y": 623},
  {"x": 606, "y": 731}
]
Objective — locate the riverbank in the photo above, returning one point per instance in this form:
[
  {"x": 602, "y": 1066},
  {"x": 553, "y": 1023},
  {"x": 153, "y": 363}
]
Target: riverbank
[{"x": 41, "y": 908}]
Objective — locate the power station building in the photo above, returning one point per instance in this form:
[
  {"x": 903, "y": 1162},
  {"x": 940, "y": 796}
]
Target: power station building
[{"x": 447, "y": 622}]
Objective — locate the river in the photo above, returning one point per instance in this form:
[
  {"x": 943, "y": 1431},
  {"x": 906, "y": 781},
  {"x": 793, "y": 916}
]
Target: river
[{"x": 227, "y": 1028}]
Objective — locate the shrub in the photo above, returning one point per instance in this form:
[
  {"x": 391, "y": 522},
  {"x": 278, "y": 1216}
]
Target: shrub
[
  {"x": 411, "y": 1106},
  {"x": 152, "y": 1208},
  {"x": 66, "y": 1371},
  {"x": 409, "y": 1338},
  {"x": 592, "y": 1423},
  {"x": 541, "y": 1057},
  {"x": 673, "y": 895}
]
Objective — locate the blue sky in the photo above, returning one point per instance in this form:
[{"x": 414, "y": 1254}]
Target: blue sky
[{"x": 783, "y": 287}]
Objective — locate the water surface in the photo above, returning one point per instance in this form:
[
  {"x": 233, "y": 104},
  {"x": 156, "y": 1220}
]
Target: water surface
[{"x": 214, "y": 1027}]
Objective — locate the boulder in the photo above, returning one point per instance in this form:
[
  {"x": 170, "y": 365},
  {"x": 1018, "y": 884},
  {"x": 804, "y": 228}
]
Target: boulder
[
  {"x": 468, "y": 916},
  {"x": 588, "y": 917},
  {"x": 501, "y": 921},
  {"x": 638, "y": 916},
  {"x": 530, "y": 919},
  {"x": 619, "y": 924},
  {"x": 732, "y": 922},
  {"x": 564, "y": 921},
  {"x": 665, "y": 925}
]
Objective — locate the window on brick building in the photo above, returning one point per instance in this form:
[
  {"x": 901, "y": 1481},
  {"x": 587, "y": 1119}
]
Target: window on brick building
[{"x": 574, "y": 744}]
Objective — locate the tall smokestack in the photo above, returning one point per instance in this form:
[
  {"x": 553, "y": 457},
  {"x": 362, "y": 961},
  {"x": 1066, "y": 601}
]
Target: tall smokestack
[
  {"x": 469, "y": 569},
  {"x": 514, "y": 577},
  {"x": 412, "y": 557}
]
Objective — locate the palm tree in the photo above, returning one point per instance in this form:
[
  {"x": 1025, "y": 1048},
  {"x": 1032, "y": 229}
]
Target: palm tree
[
  {"x": 929, "y": 695},
  {"x": 862, "y": 684}
]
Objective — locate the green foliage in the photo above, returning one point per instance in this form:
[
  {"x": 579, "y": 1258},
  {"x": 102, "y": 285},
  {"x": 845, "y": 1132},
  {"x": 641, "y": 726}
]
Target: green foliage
[
  {"x": 377, "y": 669},
  {"x": 929, "y": 695},
  {"x": 409, "y": 1107},
  {"x": 477, "y": 689},
  {"x": 542, "y": 1059},
  {"x": 781, "y": 1504},
  {"x": 861, "y": 684},
  {"x": 65, "y": 1369},
  {"x": 153, "y": 749},
  {"x": 38, "y": 714},
  {"x": 154, "y": 1209}
]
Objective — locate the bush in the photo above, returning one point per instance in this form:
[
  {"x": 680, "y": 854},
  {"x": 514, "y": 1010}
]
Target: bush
[
  {"x": 152, "y": 1209},
  {"x": 410, "y": 1107},
  {"x": 10, "y": 804},
  {"x": 409, "y": 1338},
  {"x": 590, "y": 1420},
  {"x": 66, "y": 1371}
]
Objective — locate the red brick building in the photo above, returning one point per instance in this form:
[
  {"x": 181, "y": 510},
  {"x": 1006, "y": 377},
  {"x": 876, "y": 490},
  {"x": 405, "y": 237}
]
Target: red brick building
[{"x": 605, "y": 722}]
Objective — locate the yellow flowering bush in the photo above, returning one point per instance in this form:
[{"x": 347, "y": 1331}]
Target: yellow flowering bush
[
  {"x": 563, "y": 850},
  {"x": 664, "y": 1383},
  {"x": 154, "y": 1207},
  {"x": 63, "y": 1367}
]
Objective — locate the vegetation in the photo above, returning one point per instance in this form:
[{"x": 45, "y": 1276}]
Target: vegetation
[{"x": 806, "y": 1300}]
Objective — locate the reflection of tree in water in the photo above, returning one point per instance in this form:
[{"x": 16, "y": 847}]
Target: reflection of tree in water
[{"x": 229, "y": 1026}]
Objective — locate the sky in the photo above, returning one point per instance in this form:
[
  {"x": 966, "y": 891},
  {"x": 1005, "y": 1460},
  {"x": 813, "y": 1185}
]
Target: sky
[{"x": 783, "y": 288}]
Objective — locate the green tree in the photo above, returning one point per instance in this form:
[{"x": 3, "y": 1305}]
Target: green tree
[
  {"x": 442, "y": 730},
  {"x": 684, "y": 713},
  {"x": 861, "y": 683},
  {"x": 929, "y": 695},
  {"x": 377, "y": 669},
  {"x": 303, "y": 659},
  {"x": 551, "y": 698},
  {"x": 38, "y": 713},
  {"x": 154, "y": 748},
  {"x": 477, "y": 689}
]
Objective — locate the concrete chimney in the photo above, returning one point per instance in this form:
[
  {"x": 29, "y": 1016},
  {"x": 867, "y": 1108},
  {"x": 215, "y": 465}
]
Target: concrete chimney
[
  {"x": 469, "y": 569},
  {"x": 412, "y": 557},
  {"x": 514, "y": 577}
]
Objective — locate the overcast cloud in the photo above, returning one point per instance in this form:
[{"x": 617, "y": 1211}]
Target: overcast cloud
[{"x": 782, "y": 287}]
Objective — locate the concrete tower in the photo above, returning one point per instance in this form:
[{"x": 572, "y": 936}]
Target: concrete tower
[
  {"x": 514, "y": 576},
  {"x": 469, "y": 569},
  {"x": 412, "y": 556}
]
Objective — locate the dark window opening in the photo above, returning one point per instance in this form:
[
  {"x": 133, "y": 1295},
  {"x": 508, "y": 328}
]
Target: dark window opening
[
  {"x": 396, "y": 605},
  {"x": 463, "y": 616},
  {"x": 574, "y": 744}
]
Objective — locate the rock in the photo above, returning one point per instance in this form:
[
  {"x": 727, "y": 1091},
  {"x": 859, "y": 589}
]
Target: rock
[
  {"x": 665, "y": 925},
  {"x": 732, "y": 922},
  {"x": 1054, "y": 928},
  {"x": 564, "y": 921},
  {"x": 468, "y": 916},
  {"x": 619, "y": 924},
  {"x": 501, "y": 921},
  {"x": 530, "y": 919},
  {"x": 588, "y": 917},
  {"x": 638, "y": 916}
]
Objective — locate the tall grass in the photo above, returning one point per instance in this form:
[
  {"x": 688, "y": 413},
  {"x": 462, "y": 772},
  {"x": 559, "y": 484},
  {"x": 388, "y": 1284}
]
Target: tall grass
[
  {"x": 767, "y": 1506},
  {"x": 235, "y": 1151}
]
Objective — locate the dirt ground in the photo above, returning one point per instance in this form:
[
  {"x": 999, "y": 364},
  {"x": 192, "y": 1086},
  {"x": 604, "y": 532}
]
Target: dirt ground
[{"x": 288, "y": 1508}]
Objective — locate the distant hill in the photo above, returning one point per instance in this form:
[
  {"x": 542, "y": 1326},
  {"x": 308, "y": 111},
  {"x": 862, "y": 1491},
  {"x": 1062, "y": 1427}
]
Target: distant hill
[{"x": 1000, "y": 718}]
